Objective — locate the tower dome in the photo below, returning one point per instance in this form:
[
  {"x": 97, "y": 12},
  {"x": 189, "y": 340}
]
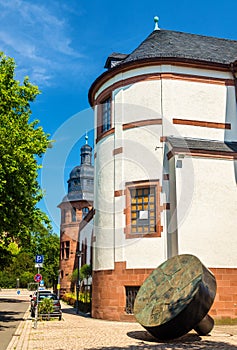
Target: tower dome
[
  {"x": 81, "y": 178},
  {"x": 86, "y": 152}
]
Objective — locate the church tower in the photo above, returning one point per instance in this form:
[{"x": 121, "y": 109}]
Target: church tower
[{"x": 74, "y": 207}]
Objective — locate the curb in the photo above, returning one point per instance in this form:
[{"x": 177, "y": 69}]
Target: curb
[{"x": 20, "y": 338}]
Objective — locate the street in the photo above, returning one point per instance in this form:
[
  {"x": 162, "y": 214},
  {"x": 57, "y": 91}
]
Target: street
[
  {"x": 77, "y": 332},
  {"x": 12, "y": 310}
]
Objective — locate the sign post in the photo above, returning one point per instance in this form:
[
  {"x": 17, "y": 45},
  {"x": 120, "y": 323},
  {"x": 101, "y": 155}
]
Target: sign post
[{"x": 38, "y": 278}]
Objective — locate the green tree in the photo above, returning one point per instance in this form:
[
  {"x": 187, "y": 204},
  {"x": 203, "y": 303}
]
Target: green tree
[
  {"x": 47, "y": 243},
  {"x": 46, "y": 307},
  {"x": 22, "y": 143},
  {"x": 85, "y": 271}
]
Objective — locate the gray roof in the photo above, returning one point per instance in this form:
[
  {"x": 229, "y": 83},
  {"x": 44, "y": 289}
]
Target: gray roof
[
  {"x": 189, "y": 144},
  {"x": 81, "y": 179},
  {"x": 178, "y": 46},
  {"x": 171, "y": 44},
  {"x": 75, "y": 196}
]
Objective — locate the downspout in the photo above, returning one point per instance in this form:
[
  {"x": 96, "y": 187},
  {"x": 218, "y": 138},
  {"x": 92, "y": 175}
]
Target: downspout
[{"x": 233, "y": 69}]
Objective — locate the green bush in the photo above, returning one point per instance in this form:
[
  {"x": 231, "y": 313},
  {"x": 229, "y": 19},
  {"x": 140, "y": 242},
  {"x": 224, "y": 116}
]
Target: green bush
[
  {"x": 85, "y": 297},
  {"x": 84, "y": 301},
  {"x": 69, "y": 298},
  {"x": 45, "y": 307}
]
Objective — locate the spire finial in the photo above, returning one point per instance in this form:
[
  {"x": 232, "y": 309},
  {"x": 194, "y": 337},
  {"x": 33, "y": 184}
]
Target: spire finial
[
  {"x": 156, "y": 19},
  {"x": 86, "y": 138}
]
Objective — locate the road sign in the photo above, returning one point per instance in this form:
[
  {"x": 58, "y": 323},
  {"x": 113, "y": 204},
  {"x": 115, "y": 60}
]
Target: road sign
[
  {"x": 41, "y": 283},
  {"x": 38, "y": 277},
  {"x": 38, "y": 264},
  {"x": 39, "y": 259}
]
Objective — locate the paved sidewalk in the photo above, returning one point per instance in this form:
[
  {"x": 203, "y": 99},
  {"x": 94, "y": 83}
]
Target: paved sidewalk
[{"x": 76, "y": 332}]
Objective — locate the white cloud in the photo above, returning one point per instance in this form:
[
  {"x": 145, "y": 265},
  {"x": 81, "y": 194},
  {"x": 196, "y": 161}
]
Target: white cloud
[{"x": 38, "y": 37}]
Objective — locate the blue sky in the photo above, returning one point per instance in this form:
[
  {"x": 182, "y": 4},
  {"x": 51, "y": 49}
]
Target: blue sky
[{"x": 62, "y": 46}]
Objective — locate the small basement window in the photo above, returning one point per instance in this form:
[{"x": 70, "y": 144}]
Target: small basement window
[{"x": 131, "y": 293}]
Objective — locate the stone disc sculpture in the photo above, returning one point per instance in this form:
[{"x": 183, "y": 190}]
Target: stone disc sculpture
[{"x": 175, "y": 298}]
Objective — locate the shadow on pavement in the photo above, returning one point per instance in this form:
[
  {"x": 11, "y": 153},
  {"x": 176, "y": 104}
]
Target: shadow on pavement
[
  {"x": 9, "y": 316},
  {"x": 145, "y": 336},
  {"x": 176, "y": 345},
  {"x": 69, "y": 310},
  {"x": 8, "y": 300},
  {"x": 73, "y": 311}
]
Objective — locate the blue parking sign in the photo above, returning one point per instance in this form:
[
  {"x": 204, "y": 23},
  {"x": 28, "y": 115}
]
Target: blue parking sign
[{"x": 39, "y": 259}]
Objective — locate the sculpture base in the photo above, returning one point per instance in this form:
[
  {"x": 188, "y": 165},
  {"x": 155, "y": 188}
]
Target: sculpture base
[{"x": 205, "y": 325}]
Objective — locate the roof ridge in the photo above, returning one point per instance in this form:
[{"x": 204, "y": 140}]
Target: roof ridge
[
  {"x": 165, "y": 43},
  {"x": 194, "y": 34}
]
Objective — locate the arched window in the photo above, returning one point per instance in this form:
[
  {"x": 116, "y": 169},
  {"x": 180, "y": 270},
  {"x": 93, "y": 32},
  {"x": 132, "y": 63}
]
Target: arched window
[
  {"x": 74, "y": 214},
  {"x": 85, "y": 211},
  {"x": 63, "y": 216},
  {"x": 65, "y": 250}
]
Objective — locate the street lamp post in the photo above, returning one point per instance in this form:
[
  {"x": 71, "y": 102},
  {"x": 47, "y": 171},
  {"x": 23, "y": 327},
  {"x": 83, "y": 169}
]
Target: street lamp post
[
  {"x": 58, "y": 285},
  {"x": 79, "y": 254}
]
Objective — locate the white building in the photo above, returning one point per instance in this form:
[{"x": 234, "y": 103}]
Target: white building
[{"x": 165, "y": 166}]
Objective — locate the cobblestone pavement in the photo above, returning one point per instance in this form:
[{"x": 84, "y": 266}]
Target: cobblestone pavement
[{"x": 76, "y": 332}]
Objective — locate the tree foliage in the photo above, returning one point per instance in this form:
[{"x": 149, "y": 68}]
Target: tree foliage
[
  {"x": 24, "y": 229},
  {"x": 22, "y": 142},
  {"x": 85, "y": 272},
  {"x": 20, "y": 263},
  {"x": 46, "y": 243}
]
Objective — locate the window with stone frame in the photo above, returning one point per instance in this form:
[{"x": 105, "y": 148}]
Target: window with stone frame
[
  {"x": 74, "y": 214},
  {"x": 104, "y": 116},
  {"x": 65, "y": 250},
  {"x": 131, "y": 293},
  {"x": 143, "y": 209},
  {"x": 63, "y": 216}
]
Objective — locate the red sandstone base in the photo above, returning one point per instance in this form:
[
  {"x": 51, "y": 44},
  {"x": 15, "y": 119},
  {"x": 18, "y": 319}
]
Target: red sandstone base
[{"x": 109, "y": 293}]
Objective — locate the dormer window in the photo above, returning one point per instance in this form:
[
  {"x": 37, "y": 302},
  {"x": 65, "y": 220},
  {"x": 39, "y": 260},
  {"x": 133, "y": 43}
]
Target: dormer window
[{"x": 114, "y": 59}]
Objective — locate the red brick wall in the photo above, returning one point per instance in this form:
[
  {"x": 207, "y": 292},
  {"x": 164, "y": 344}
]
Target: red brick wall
[
  {"x": 108, "y": 293},
  {"x": 225, "y": 303},
  {"x": 109, "y": 299},
  {"x": 68, "y": 265}
]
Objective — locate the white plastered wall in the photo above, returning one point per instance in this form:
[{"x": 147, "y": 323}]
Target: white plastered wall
[
  {"x": 197, "y": 101},
  {"x": 207, "y": 225},
  {"x": 182, "y": 99},
  {"x": 85, "y": 236},
  {"x": 103, "y": 204},
  {"x": 142, "y": 155}
]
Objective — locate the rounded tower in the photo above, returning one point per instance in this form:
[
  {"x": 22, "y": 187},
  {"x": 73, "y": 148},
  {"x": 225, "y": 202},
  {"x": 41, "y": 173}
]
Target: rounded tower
[
  {"x": 152, "y": 108},
  {"x": 74, "y": 206}
]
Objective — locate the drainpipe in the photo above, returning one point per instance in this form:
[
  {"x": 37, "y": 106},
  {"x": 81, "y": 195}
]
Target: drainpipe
[{"x": 233, "y": 68}]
